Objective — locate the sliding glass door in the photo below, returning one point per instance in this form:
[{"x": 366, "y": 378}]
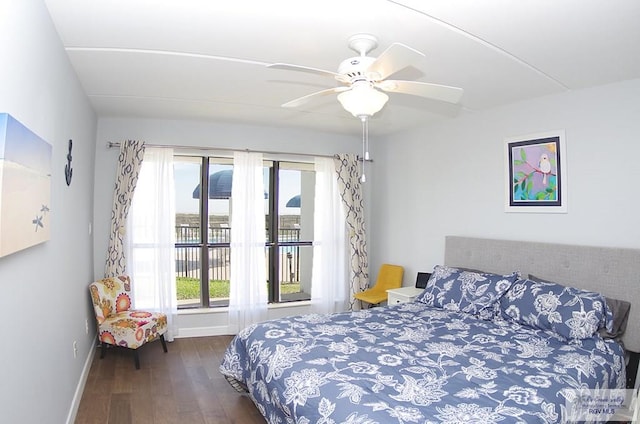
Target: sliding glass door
[{"x": 202, "y": 224}]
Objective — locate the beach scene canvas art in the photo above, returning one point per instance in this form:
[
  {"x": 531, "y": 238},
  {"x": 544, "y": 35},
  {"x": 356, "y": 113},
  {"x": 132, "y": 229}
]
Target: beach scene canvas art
[{"x": 25, "y": 187}]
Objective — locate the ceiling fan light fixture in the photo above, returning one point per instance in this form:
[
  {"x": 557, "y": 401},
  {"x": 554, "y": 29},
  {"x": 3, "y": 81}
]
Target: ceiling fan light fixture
[{"x": 362, "y": 100}]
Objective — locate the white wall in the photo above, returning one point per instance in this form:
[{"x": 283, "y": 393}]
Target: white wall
[
  {"x": 449, "y": 179},
  {"x": 202, "y": 134},
  {"x": 45, "y": 300}
]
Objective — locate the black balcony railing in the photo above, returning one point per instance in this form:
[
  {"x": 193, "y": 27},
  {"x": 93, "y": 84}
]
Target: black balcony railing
[{"x": 188, "y": 253}]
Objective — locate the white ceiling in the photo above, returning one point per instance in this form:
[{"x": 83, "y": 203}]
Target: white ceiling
[{"x": 205, "y": 59}]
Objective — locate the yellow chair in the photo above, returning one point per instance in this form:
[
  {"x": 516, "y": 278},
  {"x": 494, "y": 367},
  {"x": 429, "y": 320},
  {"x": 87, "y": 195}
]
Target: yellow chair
[{"x": 389, "y": 277}]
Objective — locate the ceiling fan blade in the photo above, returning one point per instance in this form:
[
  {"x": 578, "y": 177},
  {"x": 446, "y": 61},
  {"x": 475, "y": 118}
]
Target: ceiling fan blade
[
  {"x": 304, "y": 99},
  {"x": 396, "y": 57},
  {"x": 299, "y": 68},
  {"x": 443, "y": 93}
]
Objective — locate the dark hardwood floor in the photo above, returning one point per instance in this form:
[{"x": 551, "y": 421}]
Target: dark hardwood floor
[{"x": 182, "y": 386}]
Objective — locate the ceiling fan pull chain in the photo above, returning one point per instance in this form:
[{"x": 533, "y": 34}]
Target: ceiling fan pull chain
[{"x": 366, "y": 151}]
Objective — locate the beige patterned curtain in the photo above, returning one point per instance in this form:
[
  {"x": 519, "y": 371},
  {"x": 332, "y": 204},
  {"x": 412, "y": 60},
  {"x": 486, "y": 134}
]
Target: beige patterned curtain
[
  {"x": 351, "y": 194},
  {"x": 129, "y": 163}
]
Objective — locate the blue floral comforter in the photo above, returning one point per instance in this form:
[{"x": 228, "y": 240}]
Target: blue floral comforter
[{"x": 411, "y": 363}]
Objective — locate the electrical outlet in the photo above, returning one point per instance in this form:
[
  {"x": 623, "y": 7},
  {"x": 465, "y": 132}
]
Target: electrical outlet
[
  {"x": 75, "y": 349},
  {"x": 86, "y": 325}
]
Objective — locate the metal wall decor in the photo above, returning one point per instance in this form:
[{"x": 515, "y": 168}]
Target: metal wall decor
[{"x": 68, "y": 171}]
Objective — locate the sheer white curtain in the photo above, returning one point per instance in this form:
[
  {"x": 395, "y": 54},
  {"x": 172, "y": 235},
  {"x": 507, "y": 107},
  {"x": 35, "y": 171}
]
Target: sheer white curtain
[
  {"x": 248, "y": 286},
  {"x": 150, "y": 241},
  {"x": 329, "y": 280}
]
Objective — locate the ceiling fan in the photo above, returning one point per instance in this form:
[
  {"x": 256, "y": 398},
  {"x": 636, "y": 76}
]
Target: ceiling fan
[{"x": 365, "y": 82}]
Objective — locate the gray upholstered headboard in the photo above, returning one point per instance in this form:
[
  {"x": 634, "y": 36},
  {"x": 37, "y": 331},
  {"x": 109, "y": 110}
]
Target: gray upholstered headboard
[{"x": 614, "y": 272}]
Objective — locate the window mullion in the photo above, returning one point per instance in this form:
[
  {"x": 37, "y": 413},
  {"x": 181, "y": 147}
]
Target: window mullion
[
  {"x": 204, "y": 233},
  {"x": 274, "y": 226}
]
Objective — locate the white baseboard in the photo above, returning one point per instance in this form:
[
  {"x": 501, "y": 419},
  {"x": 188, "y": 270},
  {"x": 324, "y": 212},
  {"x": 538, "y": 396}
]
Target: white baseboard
[
  {"x": 203, "y": 331},
  {"x": 77, "y": 396}
]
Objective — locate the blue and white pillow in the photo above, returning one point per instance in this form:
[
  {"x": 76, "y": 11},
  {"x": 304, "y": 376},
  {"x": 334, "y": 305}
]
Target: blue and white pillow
[
  {"x": 470, "y": 292},
  {"x": 570, "y": 312}
]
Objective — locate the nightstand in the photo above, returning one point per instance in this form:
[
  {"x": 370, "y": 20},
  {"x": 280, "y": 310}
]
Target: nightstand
[{"x": 402, "y": 295}]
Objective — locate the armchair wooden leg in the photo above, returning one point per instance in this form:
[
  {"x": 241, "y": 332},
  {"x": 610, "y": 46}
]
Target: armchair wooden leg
[
  {"x": 136, "y": 358},
  {"x": 103, "y": 349},
  {"x": 164, "y": 344}
]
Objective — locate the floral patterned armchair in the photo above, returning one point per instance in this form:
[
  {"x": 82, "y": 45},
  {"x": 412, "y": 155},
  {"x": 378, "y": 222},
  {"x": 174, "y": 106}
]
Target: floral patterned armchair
[{"x": 118, "y": 325}]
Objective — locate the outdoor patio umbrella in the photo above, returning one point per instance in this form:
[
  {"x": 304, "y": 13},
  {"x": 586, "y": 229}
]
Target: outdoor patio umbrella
[
  {"x": 294, "y": 202},
  {"x": 219, "y": 185}
]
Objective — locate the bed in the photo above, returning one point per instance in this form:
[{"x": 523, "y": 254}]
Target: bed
[{"x": 473, "y": 351}]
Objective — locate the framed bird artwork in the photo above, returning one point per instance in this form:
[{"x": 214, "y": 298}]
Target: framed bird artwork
[{"x": 535, "y": 173}]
